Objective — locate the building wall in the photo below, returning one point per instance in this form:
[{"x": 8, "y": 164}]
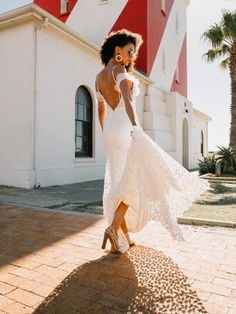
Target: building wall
[
  {"x": 63, "y": 66},
  {"x": 168, "y": 54},
  {"x": 17, "y": 105},
  {"x": 181, "y": 110}
]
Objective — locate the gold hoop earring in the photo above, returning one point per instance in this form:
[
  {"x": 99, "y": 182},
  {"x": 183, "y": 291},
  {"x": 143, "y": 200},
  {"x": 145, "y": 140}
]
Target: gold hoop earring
[{"x": 118, "y": 58}]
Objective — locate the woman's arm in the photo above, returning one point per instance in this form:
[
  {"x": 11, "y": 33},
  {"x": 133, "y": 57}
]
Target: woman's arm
[
  {"x": 124, "y": 88},
  {"x": 101, "y": 106},
  {"x": 125, "y": 91},
  {"x": 101, "y": 113}
]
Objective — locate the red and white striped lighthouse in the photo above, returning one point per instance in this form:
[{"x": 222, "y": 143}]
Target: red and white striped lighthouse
[{"x": 162, "y": 23}]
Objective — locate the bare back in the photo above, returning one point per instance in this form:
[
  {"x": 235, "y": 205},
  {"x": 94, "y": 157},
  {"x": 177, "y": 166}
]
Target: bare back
[{"x": 105, "y": 83}]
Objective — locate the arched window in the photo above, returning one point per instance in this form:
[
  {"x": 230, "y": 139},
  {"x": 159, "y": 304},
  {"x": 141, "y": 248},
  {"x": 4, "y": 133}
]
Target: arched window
[
  {"x": 202, "y": 144},
  {"x": 83, "y": 123}
]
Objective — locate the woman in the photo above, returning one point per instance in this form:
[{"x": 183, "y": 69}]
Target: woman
[{"x": 141, "y": 180}]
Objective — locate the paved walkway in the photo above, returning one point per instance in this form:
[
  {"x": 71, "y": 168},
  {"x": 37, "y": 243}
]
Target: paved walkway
[
  {"x": 71, "y": 197},
  {"x": 51, "y": 262}
]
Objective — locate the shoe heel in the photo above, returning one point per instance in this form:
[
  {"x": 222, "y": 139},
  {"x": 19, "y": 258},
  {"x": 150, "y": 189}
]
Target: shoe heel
[{"x": 104, "y": 241}]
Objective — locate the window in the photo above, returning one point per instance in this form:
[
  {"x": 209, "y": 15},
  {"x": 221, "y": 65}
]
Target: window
[
  {"x": 103, "y": 1},
  {"x": 64, "y": 6},
  {"x": 202, "y": 141},
  {"x": 83, "y": 123},
  {"x": 177, "y": 74},
  {"x": 163, "y": 7}
]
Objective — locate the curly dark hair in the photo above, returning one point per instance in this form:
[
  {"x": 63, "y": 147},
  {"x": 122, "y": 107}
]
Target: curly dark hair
[{"x": 119, "y": 38}]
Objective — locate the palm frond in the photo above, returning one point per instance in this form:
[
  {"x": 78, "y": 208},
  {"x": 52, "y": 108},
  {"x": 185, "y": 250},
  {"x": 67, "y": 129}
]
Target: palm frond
[
  {"x": 224, "y": 64},
  {"x": 214, "y": 35},
  {"x": 229, "y": 25},
  {"x": 225, "y": 50},
  {"x": 213, "y": 54}
]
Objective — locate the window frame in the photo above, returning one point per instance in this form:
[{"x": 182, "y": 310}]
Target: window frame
[
  {"x": 163, "y": 7},
  {"x": 103, "y": 2},
  {"x": 202, "y": 144},
  {"x": 64, "y": 7},
  {"x": 177, "y": 74},
  {"x": 86, "y": 124}
]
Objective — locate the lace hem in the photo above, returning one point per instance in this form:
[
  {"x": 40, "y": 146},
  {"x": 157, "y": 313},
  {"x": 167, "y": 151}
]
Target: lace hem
[{"x": 165, "y": 189}]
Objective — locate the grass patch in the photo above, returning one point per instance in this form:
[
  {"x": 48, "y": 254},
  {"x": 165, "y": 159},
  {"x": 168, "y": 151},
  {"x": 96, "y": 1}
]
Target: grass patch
[{"x": 219, "y": 203}]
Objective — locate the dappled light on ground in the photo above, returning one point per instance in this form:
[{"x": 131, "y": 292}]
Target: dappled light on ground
[{"x": 143, "y": 280}]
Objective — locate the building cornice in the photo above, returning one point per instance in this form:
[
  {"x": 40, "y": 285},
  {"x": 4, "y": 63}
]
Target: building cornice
[
  {"x": 201, "y": 115},
  {"x": 34, "y": 12}
]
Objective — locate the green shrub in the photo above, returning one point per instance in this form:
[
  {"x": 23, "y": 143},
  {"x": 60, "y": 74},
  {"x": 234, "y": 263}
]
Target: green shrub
[
  {"x": 207, "y": 165},
  {"x": 227, "y": 157}
]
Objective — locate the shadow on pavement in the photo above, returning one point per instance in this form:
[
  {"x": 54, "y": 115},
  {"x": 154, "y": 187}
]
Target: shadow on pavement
[{"x": 143, "y": 280}]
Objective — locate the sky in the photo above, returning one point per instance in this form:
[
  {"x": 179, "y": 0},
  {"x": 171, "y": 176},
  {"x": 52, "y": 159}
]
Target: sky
[{"x": 208, "y": 85}]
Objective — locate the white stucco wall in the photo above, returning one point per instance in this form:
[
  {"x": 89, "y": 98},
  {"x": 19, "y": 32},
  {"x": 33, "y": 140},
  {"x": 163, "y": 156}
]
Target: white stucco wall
[
  {"x": 63, "y": 66},
  {"x": 180, "y": 109},
  {"x": 17, "y": 105}
]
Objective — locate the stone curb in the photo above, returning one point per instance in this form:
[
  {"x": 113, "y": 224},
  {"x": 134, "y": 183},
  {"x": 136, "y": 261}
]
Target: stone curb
[
  {"x": 231, "y": 179},
  {"x": 56, "y": 211},
  {"x": 206, "y": 222}
]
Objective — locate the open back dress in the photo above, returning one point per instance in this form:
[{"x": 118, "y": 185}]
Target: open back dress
[{"x": 141, "y": 174}]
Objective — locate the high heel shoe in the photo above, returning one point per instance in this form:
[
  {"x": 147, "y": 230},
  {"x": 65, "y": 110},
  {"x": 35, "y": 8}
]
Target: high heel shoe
[{"x": 111, "y": 234}]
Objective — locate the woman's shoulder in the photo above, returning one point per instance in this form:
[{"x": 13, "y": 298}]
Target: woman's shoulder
[
  {"x": 99, "y": 75},
  {"x": 116, "y": 69}
]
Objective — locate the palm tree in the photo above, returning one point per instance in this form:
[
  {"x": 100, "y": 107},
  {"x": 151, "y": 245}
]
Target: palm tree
[
  {"x": 222, "y": 37},
  {"x": 227, "y": 157}
]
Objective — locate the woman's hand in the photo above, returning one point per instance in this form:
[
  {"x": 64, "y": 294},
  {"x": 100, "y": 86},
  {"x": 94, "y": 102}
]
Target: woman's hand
[{"x": 134, "y": 129}]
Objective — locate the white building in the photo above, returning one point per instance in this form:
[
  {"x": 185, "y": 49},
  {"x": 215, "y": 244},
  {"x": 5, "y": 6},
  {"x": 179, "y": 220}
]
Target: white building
[{"x": 49, "y": 128}]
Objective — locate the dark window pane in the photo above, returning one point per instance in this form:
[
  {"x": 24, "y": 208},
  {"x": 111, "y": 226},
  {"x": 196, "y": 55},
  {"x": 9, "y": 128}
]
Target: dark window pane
[
  {"x": 78, "y": 143},
  {"x": 85, "y": 129},
  {"x": 79, "y": 128},
  {"x": 76, "y": 111},
  {"x": 85, "y": 143},
  {"x": 87, "y": 114},
  {"x": 80, "y": 98},
  {"x": 81, "y": 112}
]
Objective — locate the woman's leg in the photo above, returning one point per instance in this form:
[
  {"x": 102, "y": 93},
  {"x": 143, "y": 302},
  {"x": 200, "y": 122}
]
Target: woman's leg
[
  {"x": 119, "y": 216},
  {"x": 125, "y": 230},
  {"x": 118, "y": 219},
  {"x": 124, "y": 226}
]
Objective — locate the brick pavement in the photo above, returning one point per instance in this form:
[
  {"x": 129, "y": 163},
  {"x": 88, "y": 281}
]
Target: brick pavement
[{"x": 51, "y": 262}]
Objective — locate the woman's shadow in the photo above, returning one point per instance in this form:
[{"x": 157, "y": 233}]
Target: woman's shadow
[{"x": 143, "y": 280}]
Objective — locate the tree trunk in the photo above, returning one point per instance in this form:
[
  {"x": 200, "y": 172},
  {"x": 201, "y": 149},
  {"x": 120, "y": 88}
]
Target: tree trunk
[{"x": 232, "y": 141}]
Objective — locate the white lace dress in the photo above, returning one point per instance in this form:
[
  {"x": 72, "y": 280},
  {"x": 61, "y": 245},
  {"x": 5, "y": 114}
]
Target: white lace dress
[{"x": 142, "y": 175}]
